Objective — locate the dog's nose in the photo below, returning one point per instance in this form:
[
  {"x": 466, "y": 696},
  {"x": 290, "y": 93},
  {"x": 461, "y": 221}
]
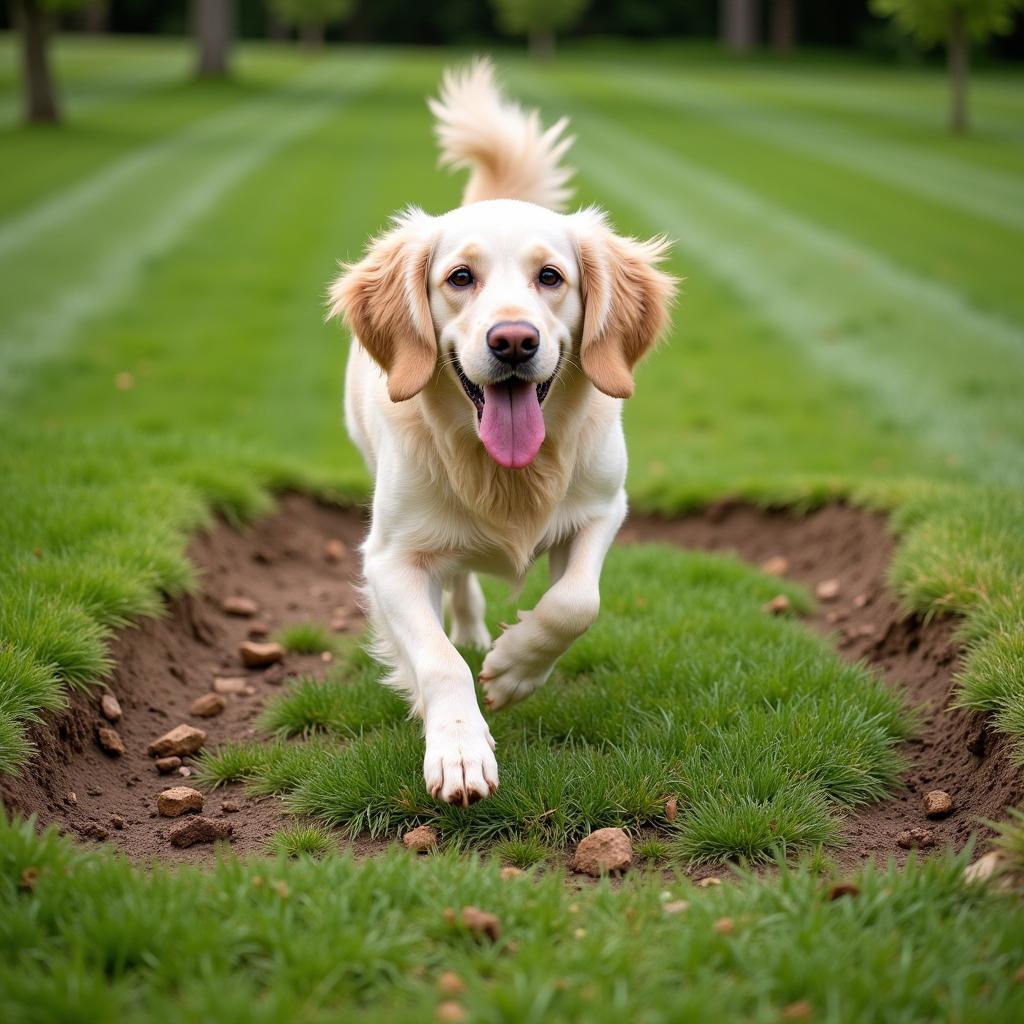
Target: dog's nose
[{"x": 513, "y": 341}]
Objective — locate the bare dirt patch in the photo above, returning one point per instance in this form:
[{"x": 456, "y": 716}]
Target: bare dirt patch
[{"x": 300, "y": 565}]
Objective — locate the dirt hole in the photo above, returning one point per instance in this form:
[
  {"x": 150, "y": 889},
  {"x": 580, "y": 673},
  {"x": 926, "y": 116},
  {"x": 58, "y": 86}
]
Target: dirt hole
[{"x": 300, "y": 564}]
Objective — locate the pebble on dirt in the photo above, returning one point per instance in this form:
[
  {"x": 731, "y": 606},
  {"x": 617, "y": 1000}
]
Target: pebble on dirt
[
  {"x": 827, "y": 590},
  {"x": 198, "y": 829},
  {"x": 110, "y": 708},
  {"x": 707, "y": 883},
  {"x": 208, "y": 705},
  {"x": 110, "y": 742},
  {"x": 166, "y": 765},
  {"x": 450, "y": 983},
  {"x": 778, "y": 605},
  {"x": 335, "y": 550},
  {"x": 258, "y": 655},
  {"x": 182, "y": 739},
  {"x": 777, "y": 565},
  {"x": 91, "y": 830},
  {"x": 229, "y": 684},
  {"x": 938, "y": 803},
  {"x": 481, "y": 923},
  {"x": 243, "y": 607},
  {"x": 915, "y": 838},
  {"x": 509, "y": 871},
  {"x": 604, "y": 851},
  {"x": 116, "y": 821},
  {"x": 230, "y": 807},
  {"x": 179, "y": 800},
  {"x": 258, "y": 630},
  {"x": 421, "y": 839}
]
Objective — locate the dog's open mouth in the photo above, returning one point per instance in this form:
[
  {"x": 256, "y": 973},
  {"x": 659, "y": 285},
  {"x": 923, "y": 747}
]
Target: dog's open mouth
[{"x": 510, "y": 417}]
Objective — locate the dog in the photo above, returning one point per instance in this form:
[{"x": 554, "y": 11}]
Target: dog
[{"x": 492, "y": 348}]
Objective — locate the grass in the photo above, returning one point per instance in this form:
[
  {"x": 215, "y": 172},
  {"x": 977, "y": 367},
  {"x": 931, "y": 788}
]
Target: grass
[
  {"x": 85, "y": 936},
  {"x": 306, "y": 638},
  {"x": 302, "y": 841}
]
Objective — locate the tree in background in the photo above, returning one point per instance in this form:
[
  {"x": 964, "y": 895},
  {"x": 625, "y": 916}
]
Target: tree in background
[
  {"x": 214, "y": 24},
  {"x": 738, "y": 24},
  {"x": 33, "y": 18},
  {"x": 538, "y": 20},
  {"x": 311, "y": 17},
  {"x": 957, "y": 22},
  {"x": 784, "y": 25}
]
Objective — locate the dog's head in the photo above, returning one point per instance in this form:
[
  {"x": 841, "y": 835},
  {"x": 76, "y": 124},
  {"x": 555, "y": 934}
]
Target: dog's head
[{"x": 504, "y": 296}]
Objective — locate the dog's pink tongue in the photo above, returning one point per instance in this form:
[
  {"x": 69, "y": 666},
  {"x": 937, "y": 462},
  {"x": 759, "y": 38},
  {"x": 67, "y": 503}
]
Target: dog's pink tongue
[{"x": 512, "y": 427}]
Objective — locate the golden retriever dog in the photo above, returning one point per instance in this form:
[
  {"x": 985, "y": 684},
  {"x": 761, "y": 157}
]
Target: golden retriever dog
[{"x": 493, "y": 346}]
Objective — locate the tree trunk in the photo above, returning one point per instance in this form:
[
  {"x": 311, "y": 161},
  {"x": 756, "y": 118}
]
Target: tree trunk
[
  {"x": 541, "y": 44},
  {"x": 784, "y": 25},
  {"x": 39, "y": 91},
  {"x": 311, "y": 35},
  {"x": 214, "y": 26},
  {"x": 94, "y": 17},
  {"x": 958, "y": 57},
  {"x": 277, "y": 29},
  {"x": 738, "y": 24}
]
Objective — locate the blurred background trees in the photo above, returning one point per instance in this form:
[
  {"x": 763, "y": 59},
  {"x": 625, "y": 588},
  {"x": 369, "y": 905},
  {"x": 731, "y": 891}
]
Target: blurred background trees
[
  {"x": 310, "y": 17},
  {"x": 538, "y": 20},
  {"x": 34, "y": 20},
  {"x": 214, "y": 23}
]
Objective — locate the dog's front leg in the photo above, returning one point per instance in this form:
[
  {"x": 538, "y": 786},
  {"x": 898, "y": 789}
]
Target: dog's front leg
[
  {"x": 459, "y": 765},
  {"x": 524, "y": 655}
]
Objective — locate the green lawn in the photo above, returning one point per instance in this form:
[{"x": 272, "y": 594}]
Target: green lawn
[{"x": 851, "y": 325}]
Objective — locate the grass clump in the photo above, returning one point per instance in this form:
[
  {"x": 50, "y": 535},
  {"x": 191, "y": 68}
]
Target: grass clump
[
  {"x": 521, "y": 853},
  {"x": 306, "y": 638},
  {"x": 301, "y": 841}
]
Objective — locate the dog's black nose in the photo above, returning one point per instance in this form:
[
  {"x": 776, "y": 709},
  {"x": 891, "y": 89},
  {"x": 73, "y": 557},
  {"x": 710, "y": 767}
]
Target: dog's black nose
[{"x": 513, "y": 341}]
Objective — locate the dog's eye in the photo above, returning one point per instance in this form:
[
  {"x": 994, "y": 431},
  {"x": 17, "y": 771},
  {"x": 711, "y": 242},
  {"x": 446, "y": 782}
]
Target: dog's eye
[
  {"x": 461, "y": 277},
  {"x": 549, "y": 277}
]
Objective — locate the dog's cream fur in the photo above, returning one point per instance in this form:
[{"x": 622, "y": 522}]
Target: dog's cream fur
[{"x": 443, "y": 508}]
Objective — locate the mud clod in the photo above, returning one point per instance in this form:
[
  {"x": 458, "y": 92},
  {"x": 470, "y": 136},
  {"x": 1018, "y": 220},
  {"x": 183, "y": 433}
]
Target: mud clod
[
  {"x": 242, "y": 607},
  {"x": 182, "y": 739},
  {"x": 605, "y": 851},
  {"x": 260, "y": 655},
  {"x": 938, "y": 804},
  {"x": 110, "y": 741},
  {"x": 421, "y": 839},
  {"x": 207, "y": 706},
  {"x": 110, "y": 709},
  {"x": 827, "y": 590},
  {"x": 166, "y": 765},
  {"x": 230, "y": 807},
  {"x": 229, "y": 684},
  {"x": 915, "y": 839},
  {"x": 200, "y": 830},
  {"x": 179, "y": 800}
]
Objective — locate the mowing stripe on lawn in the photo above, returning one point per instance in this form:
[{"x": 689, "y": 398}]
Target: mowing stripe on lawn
[
  {"x": 984, "y": 192},
  {"x": 189, "y": 174},
  {"x": 840, "y": 301}
]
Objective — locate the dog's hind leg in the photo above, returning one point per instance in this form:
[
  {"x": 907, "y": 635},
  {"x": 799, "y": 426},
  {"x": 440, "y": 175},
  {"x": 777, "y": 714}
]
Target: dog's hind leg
[{"x": 465, "y": 606}]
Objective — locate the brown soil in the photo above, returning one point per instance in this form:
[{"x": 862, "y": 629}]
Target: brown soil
[{"x": 284, "y": 563}]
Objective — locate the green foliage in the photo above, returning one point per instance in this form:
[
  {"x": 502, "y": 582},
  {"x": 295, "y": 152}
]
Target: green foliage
[
  {"x": 302, "y": 841},
  {"x": 928, "y": 20},
  {"x": 521, "y": 853},
  {"x": 306, "y": 638},
  {"x": 524, "y": 16},
  {"x": 305, "y": 12}
]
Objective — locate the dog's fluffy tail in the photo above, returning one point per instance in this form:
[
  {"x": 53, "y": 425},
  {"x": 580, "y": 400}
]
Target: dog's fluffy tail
[{"x": 509, "y": 153}]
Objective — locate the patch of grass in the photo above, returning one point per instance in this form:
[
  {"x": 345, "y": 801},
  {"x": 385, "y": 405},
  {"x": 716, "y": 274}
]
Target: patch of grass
[
  {"x": 521, "y": 853},
  {"x": 231, "y": 762},
  {"x": 302, "y": 841},
  {"x": 87, "y": 936},
  {"x": 652, "y": 848},
  {"x": 306, "y": 638}
]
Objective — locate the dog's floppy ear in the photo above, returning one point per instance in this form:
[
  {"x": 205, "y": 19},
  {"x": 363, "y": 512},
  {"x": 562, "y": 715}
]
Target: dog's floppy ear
[
  {"x": 384, "y": 300},
  {"x": 626, "y": 300}
]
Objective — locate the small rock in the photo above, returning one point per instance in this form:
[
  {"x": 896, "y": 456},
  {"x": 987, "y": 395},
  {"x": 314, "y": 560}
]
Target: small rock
[
  {"x": 671, "y": 807},
  {"x": 778, "y": 605},
  {"x": 800, "y": 1010},
  {"x": 450, "y": 983},
  {"x": 199, "y": 829},
  {"x": 91, "y": 830},
  {"x": 707, "y": 883},
  {"x": 915, "y": 838},
  {"x": 676, "y": 906},
  {"x": 110, "y": 708},
  {"x": 508, "y": 872},
  {"x": 421, "y": 839},
  {"x": 166, "y": 765},
  {"x": 481, "y": 923},
  {"x": 110, "y": 741},
  {"x": 777, "y": 565},
  {"x": 724, "y": 926},
  {"x": 984, "y": 867},
  {"x": 450, "y": 1012},
  {"x": 603, "y": 851},
  {"x": 340, "y": 623},
  {"x": 861, "y": 601},
  {"x": 258, "y": 630},
  {"x": 182, "y": 739},
  {"x": 827, "y": 590},
  {"x": 841, "y": 889},
  {"x": 230, "y": 807},
  {"x": 243, "y": 607},
  {"x": 229, "y": 684},
  {"x": 326, "y": 657},
  {"x": 116, "y": 821},
  {"x": 259, "y": 655},
  {"x": 184, "y": 771},
  {"x": 208, "y": 705},
  {"x": 174, "y": 802},
  {"x": 335, "y": 550},
  {"x": 938, "y": 804}
]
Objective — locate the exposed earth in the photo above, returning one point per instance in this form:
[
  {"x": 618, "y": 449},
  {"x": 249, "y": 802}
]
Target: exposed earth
[{"x": 300, "y": 564}]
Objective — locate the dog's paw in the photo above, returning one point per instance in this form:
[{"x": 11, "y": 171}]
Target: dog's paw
[
  {"x": 459, "y": 766},
  {"x": 472, "y": 635},
  {"x": 511, "y": 672}
]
